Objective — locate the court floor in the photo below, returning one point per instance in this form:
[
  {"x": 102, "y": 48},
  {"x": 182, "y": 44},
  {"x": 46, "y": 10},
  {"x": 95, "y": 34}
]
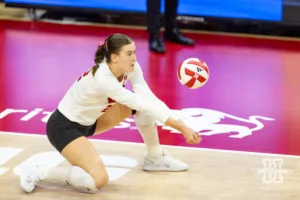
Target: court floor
[
  {"x": 248, "y": 113},
  {"x": 213, "y": 174}
]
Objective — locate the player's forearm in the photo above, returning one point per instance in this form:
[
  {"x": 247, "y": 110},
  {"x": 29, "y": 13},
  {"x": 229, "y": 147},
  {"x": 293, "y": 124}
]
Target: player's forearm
[{"x": 175, "y": 124}]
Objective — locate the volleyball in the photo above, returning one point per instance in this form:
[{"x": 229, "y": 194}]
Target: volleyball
[{"x": 193, "y": 73}]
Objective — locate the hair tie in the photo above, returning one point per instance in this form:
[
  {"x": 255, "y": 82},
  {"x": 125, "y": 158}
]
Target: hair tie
[{"x": 103, "y": 47}]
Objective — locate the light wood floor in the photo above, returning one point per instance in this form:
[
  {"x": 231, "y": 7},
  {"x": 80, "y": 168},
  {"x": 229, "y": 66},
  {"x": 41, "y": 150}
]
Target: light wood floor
[{"x": 212, "y": 174}]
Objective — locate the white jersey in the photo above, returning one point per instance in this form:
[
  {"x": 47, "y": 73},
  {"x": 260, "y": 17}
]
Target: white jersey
[{"x": 90, "y": 96}]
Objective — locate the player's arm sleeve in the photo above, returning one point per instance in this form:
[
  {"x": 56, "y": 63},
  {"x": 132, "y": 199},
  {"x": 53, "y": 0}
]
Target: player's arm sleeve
[
  {"x": 141, "y": 88},
  {"x": 112, "y": 89}
]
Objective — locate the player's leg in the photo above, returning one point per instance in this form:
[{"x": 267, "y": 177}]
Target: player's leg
[
  {"x": 90, "y": 173},
  {"x": 157, "y": 159},
  {"x": 148, "y": 129},
  {"x": 87, "y": 173},
  {"x": 112, "y": 117}
]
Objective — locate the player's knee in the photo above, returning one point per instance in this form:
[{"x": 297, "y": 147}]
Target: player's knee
[
  {"x": 143, "y": 119},
  {"x": 101, "y": 181},
  {"x": 90, "y": 181},
  {"x": 100, "y": 178}
]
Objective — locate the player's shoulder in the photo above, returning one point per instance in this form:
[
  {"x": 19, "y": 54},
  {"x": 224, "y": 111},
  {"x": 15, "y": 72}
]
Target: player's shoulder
[
  {"x": 103, "y": 75},
  {"x": 102, "y": 71}
]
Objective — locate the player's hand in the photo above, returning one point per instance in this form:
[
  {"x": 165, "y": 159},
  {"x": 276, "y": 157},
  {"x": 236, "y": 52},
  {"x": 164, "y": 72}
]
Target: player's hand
[{"x": 191, "y": 136}]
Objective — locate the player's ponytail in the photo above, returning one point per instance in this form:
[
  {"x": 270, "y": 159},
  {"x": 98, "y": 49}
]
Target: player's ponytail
[
  {"x": 99, "y": 57},
  {"x": 100, "y": 54},
  {"x": 112, "y": 45}
]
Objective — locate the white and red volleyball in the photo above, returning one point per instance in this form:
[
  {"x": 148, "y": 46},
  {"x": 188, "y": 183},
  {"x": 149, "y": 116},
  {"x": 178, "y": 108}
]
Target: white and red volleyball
[{"x": 193, "y": 73}]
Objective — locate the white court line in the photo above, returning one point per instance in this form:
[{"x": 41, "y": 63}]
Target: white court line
[{"x": 169, "y": 146}]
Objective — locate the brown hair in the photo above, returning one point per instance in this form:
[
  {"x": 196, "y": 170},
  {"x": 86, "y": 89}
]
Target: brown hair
[{"x": 111, "y": 45}]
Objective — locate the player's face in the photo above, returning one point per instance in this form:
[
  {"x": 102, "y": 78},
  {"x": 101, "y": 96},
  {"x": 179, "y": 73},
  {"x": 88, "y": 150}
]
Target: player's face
[{"x": 127, "y": 57}]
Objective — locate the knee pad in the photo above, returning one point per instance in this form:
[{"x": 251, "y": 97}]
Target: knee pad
[
  {"x": 143, "y": 119},
  {"x": 81, "y": 180}
]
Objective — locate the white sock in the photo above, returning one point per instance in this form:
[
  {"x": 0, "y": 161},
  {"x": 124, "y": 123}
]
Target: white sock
[
  {"x": 57, "y": 174},
  {"x": 74, "y": 176},
  {"x": 150, "y": 136}
]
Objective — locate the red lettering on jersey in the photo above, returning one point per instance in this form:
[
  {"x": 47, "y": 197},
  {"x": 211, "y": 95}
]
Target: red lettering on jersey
[
  {"x": 84, "y": 74},
  {"x": 111, "y": 100},
  {"x": 106, "y": 108}
]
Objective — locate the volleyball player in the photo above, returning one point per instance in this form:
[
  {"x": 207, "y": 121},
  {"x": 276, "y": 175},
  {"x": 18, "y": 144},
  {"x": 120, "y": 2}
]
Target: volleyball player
[{"x": 97, "y": 102}]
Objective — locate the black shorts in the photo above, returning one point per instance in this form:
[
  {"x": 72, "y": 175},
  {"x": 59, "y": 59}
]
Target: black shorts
[{"x": 61, "y": 131}]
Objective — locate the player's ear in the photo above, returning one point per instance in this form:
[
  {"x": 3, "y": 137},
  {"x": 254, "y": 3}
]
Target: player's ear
[{"x": 113, "y": 57}]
